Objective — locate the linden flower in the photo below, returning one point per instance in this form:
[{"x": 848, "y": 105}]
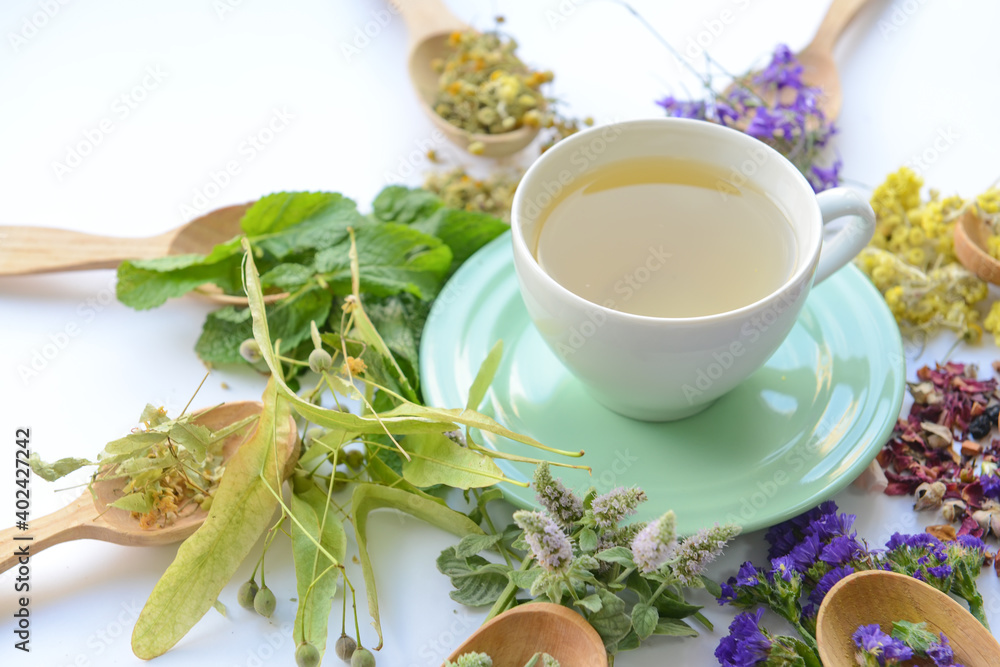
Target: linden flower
[{"x": 356, "y": 366}]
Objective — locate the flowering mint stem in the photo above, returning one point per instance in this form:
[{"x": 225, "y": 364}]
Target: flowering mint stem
[{"x": 508, "y": 594}]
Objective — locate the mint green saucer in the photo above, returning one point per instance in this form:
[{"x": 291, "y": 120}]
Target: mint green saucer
[{"x": 795, "y": 433}]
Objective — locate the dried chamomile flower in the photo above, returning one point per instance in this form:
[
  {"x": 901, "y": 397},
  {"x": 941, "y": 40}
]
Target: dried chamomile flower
[{"x": 492, "y": 195}]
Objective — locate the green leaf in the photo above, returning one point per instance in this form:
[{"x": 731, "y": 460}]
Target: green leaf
[
  {"x": 628, "y": 643},
  {"x": 674, "y": 627},
  {"x": 380, "y": 471},
  {"x": 437, "y": 459},
  {"x": 293, "y": 222},
  {"x": 193, "y": 437},
  {"x": 287, "y": 276},
  {"x": 524, "y": 578},
  {"x": 148, "y": 283},
  {"x": 221, "y": 608},
  {"x": 369, "y": 497},
  {"x": 316, "y": 522},
  {"x": 474, "y": 544},
  {"x": 289, "y": 320},
  {"x": 484, "y": 377},
  {"x": 242, "y": 510},
  {"x": 714, "y": 589},
  {"x": 587, "y": 540},
  {"x": 914, "y": 635},
  {"x": 391, "y": 259},
  {"x": 671, "y": 607},
  {"x": 618, "y": 555},
  {"x": 611, "y": 622},
  {"x": 135, "y": 502},
  {"x": 464, "y": 232},
  {"x": 644, "y": 620},
  {"x": 591, "y": 603},
  {"x": 132, "y": 443},
  {"x": 400, "y": 320},
  {"x": 397, "y": 203},
  {"x": 50, "y": 472},
  {"x": 152, "y": 415}
]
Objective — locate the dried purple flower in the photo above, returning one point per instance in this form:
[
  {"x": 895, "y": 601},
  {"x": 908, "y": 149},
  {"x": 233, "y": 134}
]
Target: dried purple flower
[
  {"x": 841, "y": 549},
  {"x": 746, "y": 645},
  {"x": 548, "y": 542},
  {"x": 615, "y": 505},
  {"x": 783, "y": 568},
  {"x": 824, "y": 585},
  {"x": 991, "y": 485},
  {"x": 654, "y": 544},
  {"x": 699, "y": 550},
  {"x": 941, "y": 653},
  {"x": 871, "y": 639},
  {"x": 564, "y": 506}
]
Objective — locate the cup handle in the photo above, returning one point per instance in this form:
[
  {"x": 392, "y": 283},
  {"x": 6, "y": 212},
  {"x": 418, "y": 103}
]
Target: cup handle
[{"x": 848, "y": 242}]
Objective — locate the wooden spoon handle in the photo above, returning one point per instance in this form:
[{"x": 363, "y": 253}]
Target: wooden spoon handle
[
  {"x": 73, "y": 522},
  {"x": 837, "y": 18},
  {"x": 25, "y": 250},
  {"x": 425, "y": 18}
]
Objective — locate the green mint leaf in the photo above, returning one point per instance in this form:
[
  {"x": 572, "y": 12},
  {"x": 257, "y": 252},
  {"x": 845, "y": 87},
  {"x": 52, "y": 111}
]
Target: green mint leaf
[
  {"x": 591, "y": 603},
  {"x": 714, "y": 589},
  {"x": 464, "y": 232},
  {"x": 670, "y": 606},
  {"x": 479, "y": 588},
  {"x": 524, "y": 578},
  {"x": 587, "y": 540},
  {"x": 397, "y": 203},
  {"x": 288, "y": 320},
  {"x": 50, "y": 472},
  {"x": 287, "y": 276},
  {"x": 674, "y": 627},
  {"x": 611, "y": 622},
  {"x": 391, "y": 259},
  {"x": 296, "y": 222},
  {"x": 474, "y": 544},
  {"x": 148, "y": 283},
  {"x": 400, "y": 320},
  {"x": 618, "y": 555},
  {"x": 644, "y": 620}
]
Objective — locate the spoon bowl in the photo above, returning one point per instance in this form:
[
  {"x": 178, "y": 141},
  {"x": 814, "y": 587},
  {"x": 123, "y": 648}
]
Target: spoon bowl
[
  {"x": 90, "y": 517},
  {"x": 430, "y": 23},
  {"x": 971, "y": 235},
  {"x": 819, "y": 70},
  {"x": 514, "y": 636},
  {"x": 883, "y": 597}
]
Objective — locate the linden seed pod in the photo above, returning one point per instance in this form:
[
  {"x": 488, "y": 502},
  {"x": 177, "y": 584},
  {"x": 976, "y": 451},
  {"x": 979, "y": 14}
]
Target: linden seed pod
[
  {"x": 307, "y": 655},
  {"x": 264, "y": 602},
  {"x": 362, "y": 658},
  {"x": 355, "y": 459},
  {"x": 320, "y": 360},
  {"x": 250, "y": 350},
  {"x": 345, "y": 647},
  {"x": 247, "y": 593},
  {"x": 312, "y": 433}
]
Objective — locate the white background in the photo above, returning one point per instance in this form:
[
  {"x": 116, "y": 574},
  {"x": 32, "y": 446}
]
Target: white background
[{"x": 911, "y": 70}]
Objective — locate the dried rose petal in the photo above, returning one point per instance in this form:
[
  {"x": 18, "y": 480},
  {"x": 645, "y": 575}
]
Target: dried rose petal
[{"x": 943, "y": 532}]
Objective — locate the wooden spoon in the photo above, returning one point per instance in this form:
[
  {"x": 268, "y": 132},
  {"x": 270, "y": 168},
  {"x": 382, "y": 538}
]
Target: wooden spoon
[
  {"x": 30, "y": 250},
  {"x": 514, "y": 636},
  {"x": 971, "y": 235},
  {"x": 882, "y": 597},
  {"x": 818, "y": 67},
  {"x": 430, "y": 23},
  {"x": 89, "y": 518}
]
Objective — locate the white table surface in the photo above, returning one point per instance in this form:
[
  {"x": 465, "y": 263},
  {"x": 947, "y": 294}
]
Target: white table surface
[{"x": 912, "y": 70}]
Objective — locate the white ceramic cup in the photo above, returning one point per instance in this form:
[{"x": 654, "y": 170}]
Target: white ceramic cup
[{"x": 658, "y": 368}]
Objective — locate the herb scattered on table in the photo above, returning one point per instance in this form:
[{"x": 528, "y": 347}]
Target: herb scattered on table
[
  {"x": 907, "y": 641},
  {"x": 942, "y": 452},
  {"x": 627, "y": 579},
  {"x": 492, "y": 195},
  {"x": 406, "y": 248},
  {"x": 811, "y": 553},
  {"x": 911, "y": 259},
  {"x": 167, "y": 468},
  {"x": 775, "y": 106}
]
